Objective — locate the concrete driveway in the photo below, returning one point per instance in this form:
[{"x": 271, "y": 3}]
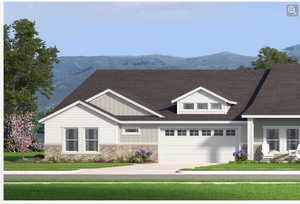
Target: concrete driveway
[{"x": 149, "y": 168}]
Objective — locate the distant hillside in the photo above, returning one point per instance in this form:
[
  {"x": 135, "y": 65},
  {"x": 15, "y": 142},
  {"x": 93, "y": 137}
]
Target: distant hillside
[{"x": 71, "y": 71}]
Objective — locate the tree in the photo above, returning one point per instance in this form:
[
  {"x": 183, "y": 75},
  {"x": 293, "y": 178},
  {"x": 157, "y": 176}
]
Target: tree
[
  {"x": 268, "y": 56},
  {"x": 28, "y": 67},
  {"x": 242, "y": 68}
]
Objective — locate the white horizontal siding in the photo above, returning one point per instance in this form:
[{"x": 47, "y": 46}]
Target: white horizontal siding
[{"x": 80, "y": 117}]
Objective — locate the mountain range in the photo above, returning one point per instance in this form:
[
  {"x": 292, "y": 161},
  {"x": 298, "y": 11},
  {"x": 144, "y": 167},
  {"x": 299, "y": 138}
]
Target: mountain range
[{"x": 71, "y": 71}]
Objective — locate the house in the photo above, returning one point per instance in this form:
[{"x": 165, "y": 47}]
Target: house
[{"x": 180, "y": 115}]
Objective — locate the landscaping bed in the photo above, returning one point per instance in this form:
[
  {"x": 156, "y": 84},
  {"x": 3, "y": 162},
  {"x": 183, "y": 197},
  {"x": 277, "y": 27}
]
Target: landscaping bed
[
  {"x": 13, "y": 162},
  {"x": 248, "y": 166}
]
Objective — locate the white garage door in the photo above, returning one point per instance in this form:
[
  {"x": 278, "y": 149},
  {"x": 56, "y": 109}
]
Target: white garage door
[{"x": 198, "y": 145}]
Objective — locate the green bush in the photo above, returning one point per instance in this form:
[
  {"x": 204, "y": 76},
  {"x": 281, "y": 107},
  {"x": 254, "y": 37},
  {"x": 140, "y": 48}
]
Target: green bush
[{"x": 140, "y": 156}]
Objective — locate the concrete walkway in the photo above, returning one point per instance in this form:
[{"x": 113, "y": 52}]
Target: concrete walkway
[
  {"x": 135, "y": 169},
  {"x": 162, "y": 182}
]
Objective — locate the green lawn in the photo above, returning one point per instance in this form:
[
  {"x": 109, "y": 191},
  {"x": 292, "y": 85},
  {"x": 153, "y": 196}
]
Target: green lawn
[
  {"x": 152, "y": 192},
  {"x": 14, "y": 156},
  {"x": 144, "y": 180},
  {"x": 56, "y": 166},
  {"x": 248, "y": 167}
]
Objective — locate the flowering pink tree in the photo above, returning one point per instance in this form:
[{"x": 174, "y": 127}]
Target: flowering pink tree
[{"x": 21, "y": 128}]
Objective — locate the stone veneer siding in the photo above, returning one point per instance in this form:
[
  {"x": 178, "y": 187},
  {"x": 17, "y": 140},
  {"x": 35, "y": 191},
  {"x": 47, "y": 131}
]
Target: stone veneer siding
[{"x": 108, "y": 152}]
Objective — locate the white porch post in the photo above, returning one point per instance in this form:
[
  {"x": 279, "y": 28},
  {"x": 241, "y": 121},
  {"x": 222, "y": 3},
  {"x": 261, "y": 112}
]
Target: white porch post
[{"x": 250, "y": 138}]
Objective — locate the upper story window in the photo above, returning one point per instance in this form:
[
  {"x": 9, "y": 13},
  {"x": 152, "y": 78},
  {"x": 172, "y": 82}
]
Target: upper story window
[
  {"x": 188, "y": 106},
  {"x": 216, "y": 106},
  {"x": 202, "y": 106}
]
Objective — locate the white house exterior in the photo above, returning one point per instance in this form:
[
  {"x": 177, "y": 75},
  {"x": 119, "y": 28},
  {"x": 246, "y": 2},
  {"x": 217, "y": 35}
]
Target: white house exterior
[{"x": 180, "y": 115}]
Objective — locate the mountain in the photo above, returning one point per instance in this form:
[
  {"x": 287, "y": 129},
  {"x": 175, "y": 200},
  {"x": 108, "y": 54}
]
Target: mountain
[
  {"x": 71, "y": 71},
  {"x": 293, "y": 51}
]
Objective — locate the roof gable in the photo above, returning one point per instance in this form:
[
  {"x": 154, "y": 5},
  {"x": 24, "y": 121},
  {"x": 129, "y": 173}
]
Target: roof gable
[{"x": 200, "y": 88}]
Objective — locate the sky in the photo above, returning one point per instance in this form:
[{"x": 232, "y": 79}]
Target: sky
[{"x": 177, "y": 29}]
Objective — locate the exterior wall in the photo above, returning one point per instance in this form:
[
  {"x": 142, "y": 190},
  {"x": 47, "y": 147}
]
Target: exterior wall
[
  {"x": 117, "y": 106},
  {"x": 259, "y": 124},
  {"x": 79, "y": 117},
  {"x": 201, "y": 97},
  {"x": 149, "y": 134},
  {"x": 107, "y": 153}
]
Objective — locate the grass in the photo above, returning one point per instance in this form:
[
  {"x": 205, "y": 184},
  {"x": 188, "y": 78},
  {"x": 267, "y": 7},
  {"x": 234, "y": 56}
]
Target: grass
[
  {"x": 56, "y": 166},
  {"x": 247, "y": 166},
  {"x": 14, "y": 156},
  {"x": 144, "y": 180},
  {"x": 152, "y": 192},
  {"x": 11, "y": 165}
]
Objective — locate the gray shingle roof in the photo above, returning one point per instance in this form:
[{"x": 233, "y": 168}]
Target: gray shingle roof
[
  {"x": 280, "y": 94},
  {"x": 156, "y": 88}
]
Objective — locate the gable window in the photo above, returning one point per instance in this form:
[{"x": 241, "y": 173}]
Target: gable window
[
  {"x": 292, "y": 138},
  {"x": 131, "y": 131},
  {"x": 218, "y": 132},
  {"x": 273, "y": 139},
  {"x": 188, "y": 106},
  {"x": 206, "y": 132},
  {"x": 72, "y": 139},
  {"x": 181, "y": 132},
  {"x": 230, "y": 132},
  {"x": 216, "y": 106},
  {"x": 194, "y": 132},
  {"x": 91, "y": 139},
  {"x": 169, "y": 132},
  {"x": 202, "y": 106}
]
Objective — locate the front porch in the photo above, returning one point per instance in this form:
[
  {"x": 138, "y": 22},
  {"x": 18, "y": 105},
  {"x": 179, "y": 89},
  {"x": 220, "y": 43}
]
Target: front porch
[{"x": 273, "y": 139}]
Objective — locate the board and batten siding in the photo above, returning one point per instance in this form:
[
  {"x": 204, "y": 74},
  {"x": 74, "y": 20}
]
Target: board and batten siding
[
  {"x": 259, "y": 123},
  {"x": 80, "y": 117},
  {"x": 148, "y": 135},
  {"x": 117, "y": 106}
]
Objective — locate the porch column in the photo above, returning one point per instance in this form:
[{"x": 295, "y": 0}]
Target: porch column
[{"x": 250, "y": 138}]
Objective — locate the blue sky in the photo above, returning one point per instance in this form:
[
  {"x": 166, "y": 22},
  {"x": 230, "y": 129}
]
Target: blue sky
[{"x": 177, "y": 29}]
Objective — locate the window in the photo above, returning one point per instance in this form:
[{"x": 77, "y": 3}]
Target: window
[
  {"x": 72, "y": 139},
  {"x": 206, "y": 132},
  {"x": 188, "y": 106},
  {"x": 273, "y": 139},
  {"x": 91, "y": 139},
  {"x": 218, "y": 132},
  {"x": 181, "y": 132},
  {"x": 231, "y": 132},
  {"x": 131, "y": 131},
  {"x": 216, "y": 106},
  {"x": 202, "y": 106},
  {"x": 194, "y": 132},
  {"x": 169, "y": 132},
  {"x": 292, "y": 138}
]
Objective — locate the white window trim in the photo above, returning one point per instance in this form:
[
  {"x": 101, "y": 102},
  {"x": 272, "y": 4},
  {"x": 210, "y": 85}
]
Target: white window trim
[
  {"x": 130, "y": 133},
  {"x": 84, "y": 139},
  {"x": 282, "y": 136},
  {"x": 81, "y": 141}
]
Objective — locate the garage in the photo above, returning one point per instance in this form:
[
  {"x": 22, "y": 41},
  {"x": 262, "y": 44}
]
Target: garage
[{"x": 186, "y": 145}]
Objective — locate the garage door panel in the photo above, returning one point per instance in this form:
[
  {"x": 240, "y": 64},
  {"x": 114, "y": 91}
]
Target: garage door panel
[{"x": 197, "y": 148}]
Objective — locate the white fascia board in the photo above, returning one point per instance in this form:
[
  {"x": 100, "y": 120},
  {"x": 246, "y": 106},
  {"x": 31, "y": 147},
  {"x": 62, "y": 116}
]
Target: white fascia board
[
  {"x": 183, "y": 122},
  {"x": 205, "y": 90},
  {"x": 270, "y": 116},
  {"x": 74, "y": 104},
  {"x": 126, "y": 99}
]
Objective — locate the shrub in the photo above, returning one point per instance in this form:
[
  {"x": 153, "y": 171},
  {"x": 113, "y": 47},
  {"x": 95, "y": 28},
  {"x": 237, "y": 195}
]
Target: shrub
[
  {"x": 140, "y": 156},
  {"x": 36, "y": 147},
  {"x": 38, "y": 157},
  {"x": 9, "y": 145},
  {"x": 240, "y": 155}
]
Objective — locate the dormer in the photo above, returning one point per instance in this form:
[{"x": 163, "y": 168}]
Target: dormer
[{"x": 202, "y": 101}]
